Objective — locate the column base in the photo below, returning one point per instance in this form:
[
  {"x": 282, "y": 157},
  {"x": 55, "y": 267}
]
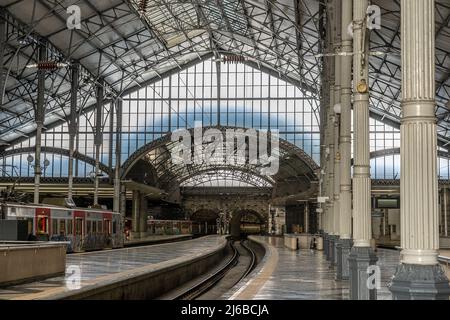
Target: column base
[
  {"x": 330, "y": 257},
  {"x": 325, "y": 246},
  {"x": 335, "y": 251},
  {"x": 359, "y": 260},
  {"x": 343, "y": 251},
  {"x": 332, "y": 250},
  {"x": 420, "y": 282}
]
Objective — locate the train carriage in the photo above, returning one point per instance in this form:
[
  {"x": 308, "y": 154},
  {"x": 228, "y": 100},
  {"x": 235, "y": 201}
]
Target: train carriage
[
  {"x": 160, "y": 227},
  {"x": 84, "y": 229}
]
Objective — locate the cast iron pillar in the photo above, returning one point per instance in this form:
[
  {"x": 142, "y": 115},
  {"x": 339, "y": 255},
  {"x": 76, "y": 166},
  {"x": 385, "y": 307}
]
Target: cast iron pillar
[
  {"x": 330, "y": 148},
  {"x": 2, "y": 53},
  {"x": 336, "y": 109},
  {"x": 419, "y": 276},
  {"x": 143, "y": 215},
  {"x": 345, "y": 144},
  {"x": 362, "y": 256},
  {"x": 73, "y": 126},
  {"x": 39, "y": 115},
  {"x": 118, "y": 131},
  {"x": 135, "y": 213},
  {"x": 98, "y": 140}
]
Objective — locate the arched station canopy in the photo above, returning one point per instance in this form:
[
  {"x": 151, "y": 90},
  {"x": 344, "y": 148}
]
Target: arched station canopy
[
  {"x": 131, "y": 43},
  {"x": 294, "y": 165}
]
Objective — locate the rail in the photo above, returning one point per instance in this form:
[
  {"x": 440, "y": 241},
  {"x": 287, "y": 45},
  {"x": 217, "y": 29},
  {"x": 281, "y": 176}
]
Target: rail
[
  {"x": 252, "y": 260},
  {"x": 203, "y": 286}
]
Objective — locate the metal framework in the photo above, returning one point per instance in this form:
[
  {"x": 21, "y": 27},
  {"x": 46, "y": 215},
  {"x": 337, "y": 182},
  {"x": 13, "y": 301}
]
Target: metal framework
[
  {"x": 129, "y": 47},
  {"x": 294, "y": 164}
]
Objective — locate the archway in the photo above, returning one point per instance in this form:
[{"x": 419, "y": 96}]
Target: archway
[
  {"x": 294, "y": 163},
  {"x": 247, "y": 221},
  {"x": 205, "y": 221}
]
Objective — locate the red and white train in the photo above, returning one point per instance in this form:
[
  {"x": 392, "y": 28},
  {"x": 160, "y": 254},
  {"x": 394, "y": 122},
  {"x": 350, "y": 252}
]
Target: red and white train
[{"x": 85, "y": 229}]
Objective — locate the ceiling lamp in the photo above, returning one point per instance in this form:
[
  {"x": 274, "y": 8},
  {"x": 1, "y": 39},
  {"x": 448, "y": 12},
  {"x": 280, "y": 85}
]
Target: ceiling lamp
[
  {"x": 47, "y": 65},
  {"x": 143, "y": 6},
  {"x": 233, "y": 59}
]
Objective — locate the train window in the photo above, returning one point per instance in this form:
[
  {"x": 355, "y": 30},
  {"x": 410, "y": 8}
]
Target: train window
[
  {"x": 99, "y": 227},
  {"x": 94, "y": 226},
  {"x": 42, "y": 224},
  {"x": 54, "y": 226},
  {"x": 30, "y": 226},
  {"x": 78, "y": 226},
  {"x": 114, "y": 227},
  {"x": 62, "y": 226},
  {"x": 107, "y": 226},
  {"x": 88, "y": 227},
  {"x": 69, "y": 226}
]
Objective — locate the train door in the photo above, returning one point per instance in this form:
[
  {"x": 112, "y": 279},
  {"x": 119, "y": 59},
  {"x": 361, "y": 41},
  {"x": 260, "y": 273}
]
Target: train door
[
  {"x": 42, "y": 224},
  {"x": 79, "y": 232},
  {"x": 107, "y": 230},
  {"x": 107, "y": 227}
]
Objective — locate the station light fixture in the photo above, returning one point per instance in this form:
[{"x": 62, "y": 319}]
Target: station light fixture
[
  {"x": 47, "y": 65},
  {"x": 143, "y": 6},
  {"x": 362, "y": 86}
]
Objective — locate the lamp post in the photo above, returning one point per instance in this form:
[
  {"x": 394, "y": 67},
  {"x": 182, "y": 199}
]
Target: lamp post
[{"x": 39, "y": 169}]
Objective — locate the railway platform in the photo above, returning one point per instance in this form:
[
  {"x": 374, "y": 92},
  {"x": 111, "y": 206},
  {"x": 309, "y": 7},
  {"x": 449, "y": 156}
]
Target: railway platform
[
  {"x": 303, "y": 275},
  {"x": 157, "y": 239},
  {"x": 116, "y": 274}
]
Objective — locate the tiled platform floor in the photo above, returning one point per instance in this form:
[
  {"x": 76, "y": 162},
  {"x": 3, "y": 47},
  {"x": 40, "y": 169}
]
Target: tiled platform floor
[
  {"x": 306, "y": 275},
  {"x": 157, "y": 239},
  {"x": 103, "y": 263}
]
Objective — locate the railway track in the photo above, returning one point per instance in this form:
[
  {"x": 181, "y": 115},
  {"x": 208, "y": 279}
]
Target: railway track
[
  {"x": 203, "y": 286},
  {"x": 252, "y": 260}
]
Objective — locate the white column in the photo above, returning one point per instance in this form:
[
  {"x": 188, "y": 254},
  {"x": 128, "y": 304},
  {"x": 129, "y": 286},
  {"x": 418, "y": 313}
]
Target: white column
[
  {"x": 361, "y": 256},
  {"x": 361, "y": 170},
  {"x": 445, "y": 212},
  {"x": 118, "y": 153},
  {"x": 419, "y": 184},
  {"x": 39, "y": 118},
  {"x": 345, "y": 144},
  {"x": 329, "y": 147},
  {"x": 2, "y": 53},
  {"x": 337, "y": 179},
  {"x": 337, "y": 146},
  {"x": 331, "y": 175},
  {"x": 306, "y": 212},
  {"x": 72, "y": 124},
  {"x": 98, "y": 140},
  {"x": 136, "y": 203}
]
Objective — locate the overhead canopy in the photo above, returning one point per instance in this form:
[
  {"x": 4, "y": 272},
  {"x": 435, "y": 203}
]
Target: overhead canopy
[
  {"x": 149, "y": 191},
  {"x": 130, "y": 43},
  {"x": 293, "y": 165}
]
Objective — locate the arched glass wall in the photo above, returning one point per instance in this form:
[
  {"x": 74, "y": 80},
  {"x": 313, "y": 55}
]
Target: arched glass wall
[{"x": 247, "y": 98}]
